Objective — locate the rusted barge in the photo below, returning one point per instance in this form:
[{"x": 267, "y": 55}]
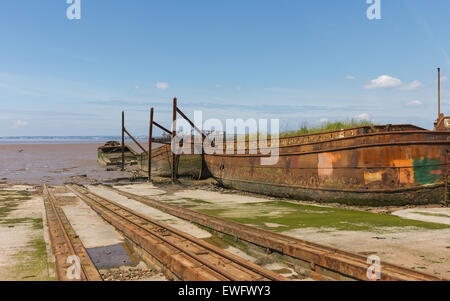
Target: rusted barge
[
  {"x": 377, "y": 165},
  {"x": 186, "y": 165}
]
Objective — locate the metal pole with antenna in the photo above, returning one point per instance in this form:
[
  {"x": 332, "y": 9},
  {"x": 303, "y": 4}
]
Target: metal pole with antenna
[
  {"x": 439, "y": 93},
  {"x": 174, "y": 134},
  {"x": 150, "y": 138},
  {"x": 123, "y": 140}
]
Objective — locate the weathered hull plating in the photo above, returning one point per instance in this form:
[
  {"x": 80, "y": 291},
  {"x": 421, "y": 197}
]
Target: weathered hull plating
[
  {"x": 187, "y": 165},
  {"x": 112, "y": 155},
  {"x": 398, "y": 166}
]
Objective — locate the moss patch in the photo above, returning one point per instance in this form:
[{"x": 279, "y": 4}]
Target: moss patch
[
  {"x": 36, "y": 223},
  {"x": 223, "y": 240},
  {"x": 10, "y": 200},
  {"x": 216, "y": 241},
  {"x": 32, "y": 263},
  {"x": 294, "y": 216}
]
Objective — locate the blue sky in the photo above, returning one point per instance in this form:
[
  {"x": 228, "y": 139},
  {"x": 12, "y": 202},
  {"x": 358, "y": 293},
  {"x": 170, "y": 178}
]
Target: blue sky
[{"x": 296, "y": 60}]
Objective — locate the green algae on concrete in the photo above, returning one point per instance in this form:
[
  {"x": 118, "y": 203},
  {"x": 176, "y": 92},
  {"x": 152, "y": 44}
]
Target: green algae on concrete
[
  {"x": 31, "y": 262},
  {"x": 290, "y": 216},
  {"x": 10, "y": 200},
  {"x": 223, "y": 240},
  {"x": 36, "y": 223}
]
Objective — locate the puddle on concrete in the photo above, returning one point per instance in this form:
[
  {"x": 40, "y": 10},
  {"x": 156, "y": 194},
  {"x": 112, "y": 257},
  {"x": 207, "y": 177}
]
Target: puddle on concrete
[{"x": 114, "y": 256}]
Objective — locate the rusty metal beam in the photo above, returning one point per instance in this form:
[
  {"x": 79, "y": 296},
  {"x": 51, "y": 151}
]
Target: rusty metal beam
[
  {"x": 174, "y": 134},
  {"x": 191, "y": 123},
  {"x": 439, "y": 93},
  {"x": 150, "y": 139},
  {"x": 162, "y": 128},
  {"x": 123, "y": 140},
  {"x": 135, "y": 141}
]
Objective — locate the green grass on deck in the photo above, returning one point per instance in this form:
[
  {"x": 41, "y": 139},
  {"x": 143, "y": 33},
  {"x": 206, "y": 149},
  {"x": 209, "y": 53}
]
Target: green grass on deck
[{"x": 326, "y": 127}]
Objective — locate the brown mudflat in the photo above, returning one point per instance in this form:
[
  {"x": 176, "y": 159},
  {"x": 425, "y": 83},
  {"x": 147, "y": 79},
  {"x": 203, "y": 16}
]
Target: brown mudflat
[{"x": 53, "y": 164}]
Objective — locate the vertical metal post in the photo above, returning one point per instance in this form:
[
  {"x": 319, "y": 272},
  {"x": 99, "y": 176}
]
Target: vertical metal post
[
  {"x": 150, "y": 137},
  {"x": 123, "y": 140},
  {"x": 439, "y": 93},
  {"x": 446, "y": 192},
  {"x": 174, "y": 133}
]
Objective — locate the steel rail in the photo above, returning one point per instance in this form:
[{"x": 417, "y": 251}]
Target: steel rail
[
  {"x": 161, "y": 234},
  {"x": 346, "y": 263},
  {"x": 72, "y": 245}
]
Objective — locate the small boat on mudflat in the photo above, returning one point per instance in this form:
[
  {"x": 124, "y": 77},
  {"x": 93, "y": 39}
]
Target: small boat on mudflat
[{"x": 111, "y": 154}]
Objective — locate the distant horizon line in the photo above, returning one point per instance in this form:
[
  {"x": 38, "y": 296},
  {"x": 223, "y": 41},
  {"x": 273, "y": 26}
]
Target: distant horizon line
[{"x": 94, "y": 137}]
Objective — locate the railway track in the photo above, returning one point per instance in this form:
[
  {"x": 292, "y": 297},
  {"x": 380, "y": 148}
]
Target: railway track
[
  {"x": 323, "y": 260},
  {"x": 71, "y": 258},
  {"x": 187, "y": 257}
]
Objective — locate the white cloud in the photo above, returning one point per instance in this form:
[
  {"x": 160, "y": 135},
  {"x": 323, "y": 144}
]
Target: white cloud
[
  {"x": 412, "y": 86},
  {"x": 363, "y": 116},
  {"x": 350, "y": 77},
  {"x": 162, "y": 85},
  {"x": 384, "y": 81},
  {"x": 218, "y": 86},
  {"x": 137, "y": 87},
  {"x": 323, "y": 120},
  {"x": 414, "y": 103},
  {"x": 444, "y": 79},
  {"x": 238, "y": 88},
  {"x": 19, "y": 124}
]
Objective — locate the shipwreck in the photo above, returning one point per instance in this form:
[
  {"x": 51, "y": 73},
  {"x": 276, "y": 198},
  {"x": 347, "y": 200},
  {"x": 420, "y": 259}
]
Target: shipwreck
[{"x": 366, "y": 165}]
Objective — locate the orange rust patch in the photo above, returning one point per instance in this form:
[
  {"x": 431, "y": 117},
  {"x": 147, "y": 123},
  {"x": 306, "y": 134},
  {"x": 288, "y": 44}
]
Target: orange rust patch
[
  {"x": 325, "y": 165},
  {"x": 436, "y": 172},
  {"x": 406, "y": 172},
  {"x": 370, "y": 177}
]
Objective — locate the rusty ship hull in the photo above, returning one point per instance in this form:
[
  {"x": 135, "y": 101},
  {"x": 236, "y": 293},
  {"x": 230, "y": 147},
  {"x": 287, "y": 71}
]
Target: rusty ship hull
[
  {"x": 187, "y": 165},
  {"x": 381, "y": 165},
  {"x": 111, "y": 154}
]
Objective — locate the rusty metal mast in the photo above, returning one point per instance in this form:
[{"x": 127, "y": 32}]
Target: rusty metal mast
[
  {"x": 150, "y": 137},
  {"x": 174, "y": 133},
  {"x": 123, "y": 140},
  {"x": 439, "y": 92}
]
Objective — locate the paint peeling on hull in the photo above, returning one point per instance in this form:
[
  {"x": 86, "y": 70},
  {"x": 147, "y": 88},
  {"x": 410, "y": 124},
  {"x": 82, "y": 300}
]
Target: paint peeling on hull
[{"x": 401, "y": 166}]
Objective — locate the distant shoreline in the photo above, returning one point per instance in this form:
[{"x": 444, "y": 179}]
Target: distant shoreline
[{"x": 62, "y": 140}]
